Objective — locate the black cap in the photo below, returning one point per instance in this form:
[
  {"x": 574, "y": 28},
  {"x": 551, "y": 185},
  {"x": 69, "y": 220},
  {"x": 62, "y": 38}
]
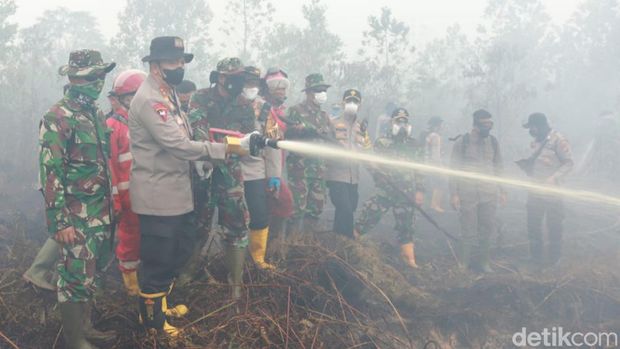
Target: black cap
[
  {"x": 537, "y": 120},
  {"x": 400, "y": 113},
  {"x": 167, "y": 48},
  {"x": 352, "y": 94}
]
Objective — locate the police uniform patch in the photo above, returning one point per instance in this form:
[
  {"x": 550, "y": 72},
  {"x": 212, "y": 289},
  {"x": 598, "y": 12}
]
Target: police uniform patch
[{"x": 162, "y": 110}]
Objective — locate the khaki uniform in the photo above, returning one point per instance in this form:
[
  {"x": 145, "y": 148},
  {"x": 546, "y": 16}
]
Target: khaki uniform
[
  {"x": 161, "y": 186},
  {"x": 161, "y": 147},
  {"x": 554, "y": 160},
  {"x": 343, "y": 175}
]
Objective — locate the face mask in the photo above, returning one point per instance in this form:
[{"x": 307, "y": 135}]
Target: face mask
[
  {"x": 250, "y": 93},
  {"x": 90, "y": 89},
  {"x": 320, "y": 97},
  {"x": 401, "y": 130},
  {"x": 234, "y": 84},
  {"x": 173, "y": 76},
  {"x": 351, "y": 108},
  {"x": 484, "y": 129}
]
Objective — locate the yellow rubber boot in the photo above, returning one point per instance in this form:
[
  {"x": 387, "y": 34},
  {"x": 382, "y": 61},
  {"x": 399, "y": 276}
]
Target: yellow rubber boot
[
  {"x": 407, "y": 253},
  {"x": 258, "y": 248},
  {"x": 153, "y": 316},
  {"x": 130, "y": 279},
  {"x": 178, "y": 311}
]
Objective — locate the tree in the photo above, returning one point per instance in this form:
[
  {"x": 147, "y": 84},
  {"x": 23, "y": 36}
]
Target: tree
[
  {"x": 35, "y": 84},
  {"x": 442, "y": 72},
  {"x": 142, "y": 20},
  {"x": 388, "y": 38},
  {"x": 304, "y": 50},
  {"x": 513, "y": 66},
  {"x": 7, "y": 29},
  {"x": 588, "y": 52},
  {"x": 385, "y": 52},
  {"x": 246, "y": 24}
]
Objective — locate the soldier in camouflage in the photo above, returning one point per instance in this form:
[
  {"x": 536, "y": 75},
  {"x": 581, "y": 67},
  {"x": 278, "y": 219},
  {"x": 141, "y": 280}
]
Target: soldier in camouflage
[
  {"x": 224, "y": 107},
  {"x": 307, "y": 122},
  {"x": 76, "y": 187},
  {"x": 396, "y": 189}
]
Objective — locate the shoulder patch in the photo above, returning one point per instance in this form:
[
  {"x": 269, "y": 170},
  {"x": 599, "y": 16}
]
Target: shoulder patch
[{"x": 162, "y": 110}]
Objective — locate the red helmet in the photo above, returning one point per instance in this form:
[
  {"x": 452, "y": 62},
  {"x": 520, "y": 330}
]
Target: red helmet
[{"x": 128, "y": 82}]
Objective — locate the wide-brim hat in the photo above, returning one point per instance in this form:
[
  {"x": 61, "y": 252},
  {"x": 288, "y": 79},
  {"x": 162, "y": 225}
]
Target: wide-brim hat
[
  {"x": 167, "y": 48},
  {"x": 84, "y": 63},
  {"x": 315, "y": 81}
]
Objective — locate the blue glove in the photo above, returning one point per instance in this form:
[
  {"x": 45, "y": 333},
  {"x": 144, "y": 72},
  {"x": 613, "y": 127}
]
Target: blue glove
[{"x": 274, "y": 184}]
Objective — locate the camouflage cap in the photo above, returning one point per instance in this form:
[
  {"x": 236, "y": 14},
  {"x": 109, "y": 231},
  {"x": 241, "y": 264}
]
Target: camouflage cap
[
  {"x": 315, "y": 81},
  {"x": 85, "y": 63},
  {"x": 251, "y": 73},
  {"x": 229, "y": 65}
]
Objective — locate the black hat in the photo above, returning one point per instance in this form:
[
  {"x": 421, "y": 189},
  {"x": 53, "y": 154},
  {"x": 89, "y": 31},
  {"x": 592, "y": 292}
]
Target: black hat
[
  {"x": 167, "y": 48},
  {"x": 537, "y": 120},
  {"x": 352, "y": 94}
]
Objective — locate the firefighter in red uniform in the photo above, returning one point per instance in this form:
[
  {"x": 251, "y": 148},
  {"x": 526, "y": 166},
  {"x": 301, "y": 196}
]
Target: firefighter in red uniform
[{"x": 128, "y": 231}]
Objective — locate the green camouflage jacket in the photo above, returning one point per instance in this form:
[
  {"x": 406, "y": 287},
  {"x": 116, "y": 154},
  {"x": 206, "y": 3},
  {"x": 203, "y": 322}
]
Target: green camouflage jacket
[{"x": 73, "y": 166}]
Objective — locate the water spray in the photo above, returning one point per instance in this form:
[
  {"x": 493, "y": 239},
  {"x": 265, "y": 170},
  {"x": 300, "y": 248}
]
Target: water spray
[{"x": 324, "y": 151}]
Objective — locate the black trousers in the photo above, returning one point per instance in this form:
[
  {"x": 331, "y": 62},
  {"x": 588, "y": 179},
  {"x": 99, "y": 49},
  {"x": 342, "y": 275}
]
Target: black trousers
[
  {"x": 166, "y": 244},
  {"x": 345, "y": 198},
  {"x": 256, "y": 198}
]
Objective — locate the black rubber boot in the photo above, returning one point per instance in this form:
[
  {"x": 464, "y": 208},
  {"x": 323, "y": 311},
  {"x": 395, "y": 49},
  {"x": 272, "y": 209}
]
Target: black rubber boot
[{"x": 102, "y": 338}]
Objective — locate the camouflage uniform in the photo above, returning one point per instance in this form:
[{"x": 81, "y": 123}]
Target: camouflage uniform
[
  {"x": 395, "y": 189},
  {"x": 306, "y": 175},
  {"x": 74, "y": 179},
  {"x": 211, "y": 110}
]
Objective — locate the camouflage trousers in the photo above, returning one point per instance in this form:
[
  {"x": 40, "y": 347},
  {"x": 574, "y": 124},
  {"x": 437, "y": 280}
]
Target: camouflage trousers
[
  {"x": 228, "y": 195},
  {"x": 307, "y": 183},
  {"x": 80, "y": 262},
  {"x": 377, "y": 206},
  {"x": 203, "y": 206}
]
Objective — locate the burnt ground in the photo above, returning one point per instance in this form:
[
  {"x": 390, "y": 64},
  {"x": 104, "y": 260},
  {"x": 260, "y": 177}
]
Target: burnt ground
[{"x": 331, "y": 292}]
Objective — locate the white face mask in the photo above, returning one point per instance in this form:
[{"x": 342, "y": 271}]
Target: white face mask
[
  {"x": 250, "y": 93},
  {"x": 396, "y": 129},
  {"x": 320, "y": 97},
  {"x": 351, "y": 108}
]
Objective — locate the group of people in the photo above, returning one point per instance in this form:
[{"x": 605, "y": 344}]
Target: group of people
[{"x": 169, "y": 156}]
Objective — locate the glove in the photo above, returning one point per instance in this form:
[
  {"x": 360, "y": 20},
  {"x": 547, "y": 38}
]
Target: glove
[{"x": 274, "y": 184}]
